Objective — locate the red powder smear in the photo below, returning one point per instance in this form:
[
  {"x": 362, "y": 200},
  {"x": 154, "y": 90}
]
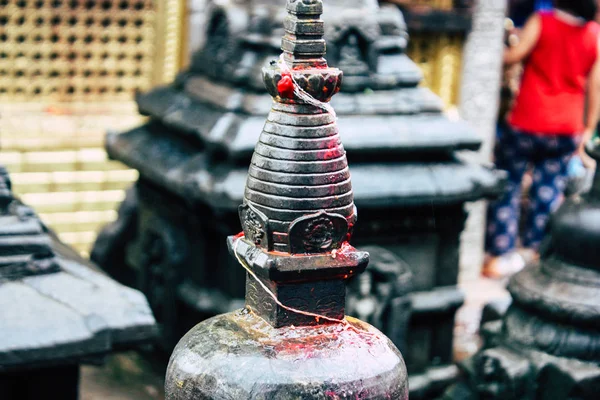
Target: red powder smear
[
  {"x": 279, "y": 253},
  {"x": 330, "y": 154},
  {"x": 285, "y": 87},
  {"x": 343, "y": 251},
  {"x": 349, "y": 235},
  {"x": 303, "y": 67},
  {"x": 346, "y": 248}
]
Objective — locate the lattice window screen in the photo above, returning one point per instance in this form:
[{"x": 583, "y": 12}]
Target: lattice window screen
[
  {"x": 66, "y": 50},
  {"x": 68, "y": 72}
]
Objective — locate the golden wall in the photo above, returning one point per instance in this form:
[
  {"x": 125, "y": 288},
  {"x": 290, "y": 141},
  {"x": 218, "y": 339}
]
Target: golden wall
[
  {"x": 440, "y": 59},
  {"x": 68, "y": 72},
  {"x": 439, "y": 4}
]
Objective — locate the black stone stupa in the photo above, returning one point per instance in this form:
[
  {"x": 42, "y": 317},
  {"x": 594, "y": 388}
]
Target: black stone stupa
[
  {"x": 292, "y": 340},
  {"x": 547, "y": 345},
  {"x": 193, "y": 156}
]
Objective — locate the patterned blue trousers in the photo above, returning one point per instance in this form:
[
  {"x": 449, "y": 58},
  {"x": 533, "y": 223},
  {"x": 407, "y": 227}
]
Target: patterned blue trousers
[{"x": 515, "y": 153}]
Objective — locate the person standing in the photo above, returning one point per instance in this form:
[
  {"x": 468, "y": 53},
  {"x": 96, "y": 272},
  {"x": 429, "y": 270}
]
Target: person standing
[{"x": 547, "y": 125}]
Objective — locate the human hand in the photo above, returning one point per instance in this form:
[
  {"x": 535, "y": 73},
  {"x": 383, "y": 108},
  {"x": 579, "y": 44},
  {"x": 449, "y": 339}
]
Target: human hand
[
  {"x": 585, "y": 138},
  {"x": 588, "y": 162}
]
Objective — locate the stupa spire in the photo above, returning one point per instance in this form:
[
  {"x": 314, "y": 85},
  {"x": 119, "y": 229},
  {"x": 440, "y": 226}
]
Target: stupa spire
[
  {"x": 298, "y": 196},
  {"x": 293, "y": 340},
  {"x": 303, "y": 44}
]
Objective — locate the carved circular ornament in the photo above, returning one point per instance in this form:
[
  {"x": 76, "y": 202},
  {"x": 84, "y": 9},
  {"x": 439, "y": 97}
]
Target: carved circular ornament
[{"x": 319, "y": 234}]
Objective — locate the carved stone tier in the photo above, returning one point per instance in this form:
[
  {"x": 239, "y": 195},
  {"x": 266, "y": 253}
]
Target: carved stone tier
[
  {"x": 256, "y": 361},
  {"x": 56, "y": 310},
  {"x": 314, "y": 283},
  {"x": 299, "y": 154}
]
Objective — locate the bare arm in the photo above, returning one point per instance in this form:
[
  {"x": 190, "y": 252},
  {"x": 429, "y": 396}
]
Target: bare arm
[
  {"x": 593, "y": 109},
  {"x": 528, "y": 38}
]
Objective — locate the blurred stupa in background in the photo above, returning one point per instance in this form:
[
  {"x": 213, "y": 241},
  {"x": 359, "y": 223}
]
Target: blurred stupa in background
[
  {"x": 547, "y": 344},
  {"x": 57, "y": 311}
]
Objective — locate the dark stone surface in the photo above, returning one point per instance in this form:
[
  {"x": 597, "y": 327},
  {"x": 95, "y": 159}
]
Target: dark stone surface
[
  {"x": 381, "y": 295},
  {"x": 407, "y": 120},
  {"x": 58, "y": 310},
  {"x": 61, "y": 381},
  {"x": 546, "y": 346},
  {"x": 495, "y": 310},
  {"x": 193, "y": 177},
  {"x": 240, "y": 356}
]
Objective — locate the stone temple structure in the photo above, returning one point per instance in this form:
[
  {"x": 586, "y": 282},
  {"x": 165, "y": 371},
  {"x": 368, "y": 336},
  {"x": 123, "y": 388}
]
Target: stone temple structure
[
  {"x": 409, "y": 183},
  {"x": 57, "y": 310},
  {"x": 547, "y": 345},
  {"x": 292, "y": 340}
]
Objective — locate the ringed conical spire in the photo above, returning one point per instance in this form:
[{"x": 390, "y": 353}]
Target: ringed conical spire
[{"x": 298, "y": 196}]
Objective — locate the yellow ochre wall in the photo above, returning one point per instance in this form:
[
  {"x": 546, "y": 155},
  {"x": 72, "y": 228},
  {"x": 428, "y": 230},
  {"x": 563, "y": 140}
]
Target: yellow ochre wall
[{"x": 68, "y": 72}]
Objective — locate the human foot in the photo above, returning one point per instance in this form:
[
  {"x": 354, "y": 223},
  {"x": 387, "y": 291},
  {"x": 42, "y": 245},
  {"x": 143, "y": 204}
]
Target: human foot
[
  {"x": 529, "y": 255},
  {"x": 503, "y": 266}
]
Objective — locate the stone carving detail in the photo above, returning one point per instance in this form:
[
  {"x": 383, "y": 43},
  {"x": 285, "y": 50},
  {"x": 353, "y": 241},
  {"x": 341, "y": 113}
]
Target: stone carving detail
[
  {"x": 363, "y": 303},
  {"x": 160, "y": 251},
  {"x": 318, "y": 233},
  {"x": 353, "y": 54},
  {"x": 290, "y": 341},
  {"x": 255, "y": 299},
  {"x": 380, "y": 296},
  {"x": 255, "y": 225}
]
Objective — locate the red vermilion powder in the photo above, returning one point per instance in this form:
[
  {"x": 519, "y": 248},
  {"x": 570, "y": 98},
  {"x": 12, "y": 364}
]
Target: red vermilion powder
[{"x": 285, "y": 87}]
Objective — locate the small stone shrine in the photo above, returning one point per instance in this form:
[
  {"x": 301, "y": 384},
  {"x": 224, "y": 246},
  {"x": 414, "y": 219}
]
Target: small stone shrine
[
  {"x": 547, "y": 345},
  {"x": 57, "y": 310},
  {"x": 193, "y": 157},
  {"x": 292, "y": 340}
]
